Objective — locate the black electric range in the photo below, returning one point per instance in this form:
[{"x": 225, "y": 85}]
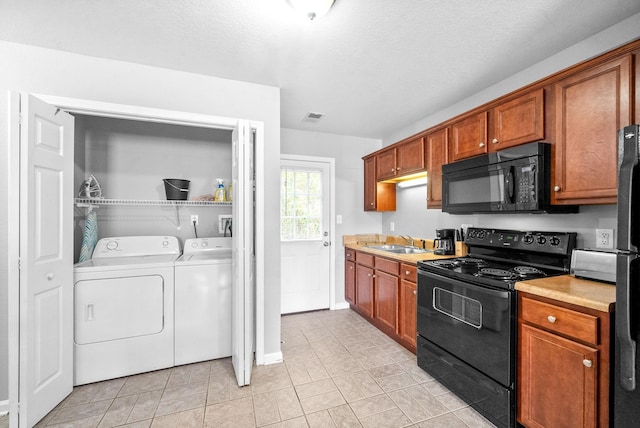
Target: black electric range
[{"x": 466, "y": 313}]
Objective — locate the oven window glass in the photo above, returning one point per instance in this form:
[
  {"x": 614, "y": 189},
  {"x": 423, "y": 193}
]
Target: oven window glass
[
  {"x": 479, "y": 189},
  {"x": 462, "y": 308}
]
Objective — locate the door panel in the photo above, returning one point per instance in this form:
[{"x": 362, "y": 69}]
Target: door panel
[
  {"x": 305, "y": 203},
  {"x": 242, "y": 303},
  {"x": 46, "y": 254}
]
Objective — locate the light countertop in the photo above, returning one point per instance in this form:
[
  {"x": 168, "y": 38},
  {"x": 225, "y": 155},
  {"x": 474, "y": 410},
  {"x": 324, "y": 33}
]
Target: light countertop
[
  {"x": 363, "y": 243},
  {"x": 596, "y": 295}
]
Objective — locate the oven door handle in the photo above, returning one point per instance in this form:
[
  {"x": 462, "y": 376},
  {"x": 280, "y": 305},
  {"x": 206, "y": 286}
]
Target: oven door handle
[{"x": 509, "y": 185}]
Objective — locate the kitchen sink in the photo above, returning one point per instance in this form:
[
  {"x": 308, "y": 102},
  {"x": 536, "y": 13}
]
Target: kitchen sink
[{"x": 400, "y": 249}]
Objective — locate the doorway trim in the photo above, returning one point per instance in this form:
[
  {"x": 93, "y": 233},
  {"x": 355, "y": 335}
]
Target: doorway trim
[
  {"x": 120, "y": 111},
  {"x": 332, "y": 216}
]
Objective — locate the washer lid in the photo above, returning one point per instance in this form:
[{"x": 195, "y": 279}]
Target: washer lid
[{"x": 113, "y": 263}]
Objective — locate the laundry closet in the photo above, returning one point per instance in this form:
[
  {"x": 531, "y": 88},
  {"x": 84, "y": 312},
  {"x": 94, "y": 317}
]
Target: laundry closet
[{"x": 138, "y": 305}]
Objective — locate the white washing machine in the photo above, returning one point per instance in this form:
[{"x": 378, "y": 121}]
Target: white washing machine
[
  {"x": 203, "y": 300},
  {"x": 124, "y": 308}
]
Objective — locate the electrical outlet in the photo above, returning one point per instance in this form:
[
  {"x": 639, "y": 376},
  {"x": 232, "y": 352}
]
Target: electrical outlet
[
  {"x": 604, "y": 238},
  {"x": 194, "y": 219},
  {"x": 392, "y": 226},
  {"x": 222, "y": 222}
]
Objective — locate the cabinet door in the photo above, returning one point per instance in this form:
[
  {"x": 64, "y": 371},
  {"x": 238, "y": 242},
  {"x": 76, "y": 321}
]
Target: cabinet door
[
  {"x": 410, "y": 157},
  {"x": 350, "y": 282},
  {"x": 386, "y": 164},
  {"x": 518, "y": 121},
  {"x": 557, "y": 381},
  {"x": 469, "y": 137},
  {"x": 590, "y": 107},
  {"x": 407, "y": 312},
  {"x": 437, "y": 148},
  {"x": 386, "y": 298},
  {"x": 377, "y": 196},
  {"x": 364, "y": 290},
  {"x": 370, "y": 184}
]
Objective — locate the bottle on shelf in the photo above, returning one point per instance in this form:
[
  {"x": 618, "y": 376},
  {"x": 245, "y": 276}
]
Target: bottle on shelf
[{"x": 220, "y": 194}]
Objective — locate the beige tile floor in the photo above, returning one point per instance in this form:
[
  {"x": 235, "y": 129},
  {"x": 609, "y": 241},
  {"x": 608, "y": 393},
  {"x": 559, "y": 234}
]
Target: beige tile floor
[{"x": 338, "y": 371}]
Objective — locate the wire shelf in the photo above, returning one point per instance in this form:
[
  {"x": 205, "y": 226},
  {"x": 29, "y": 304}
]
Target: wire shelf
[{"x": 94, "y": 202}]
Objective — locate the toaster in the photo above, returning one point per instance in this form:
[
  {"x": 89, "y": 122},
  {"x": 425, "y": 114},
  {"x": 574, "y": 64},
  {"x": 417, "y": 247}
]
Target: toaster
[{"x": 598, "y": 265}]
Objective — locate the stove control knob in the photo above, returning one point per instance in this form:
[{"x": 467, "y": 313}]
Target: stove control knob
[
  {"x": 554, "y": 241},
  {"x": 481, "y": 234},
  {"x": 542, "y": 240},
  {"x": 528, "y": 239}
]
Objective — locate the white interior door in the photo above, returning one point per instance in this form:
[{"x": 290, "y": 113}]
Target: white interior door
[
  {"x": 305, "y": 235},
  {"x": 46, "y": 258},
  {"x": 243, "y": 295}
]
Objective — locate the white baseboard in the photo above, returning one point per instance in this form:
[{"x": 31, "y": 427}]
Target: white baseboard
[
  {"x": 4, "y": 407},
  {"x": 274, "y": 358},
  {"x": 341, "y": 305}
]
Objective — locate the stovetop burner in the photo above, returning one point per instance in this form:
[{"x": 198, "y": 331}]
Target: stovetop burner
[
  {"x": 526, "y": 271},
  {"x": 496, "y": 273}
]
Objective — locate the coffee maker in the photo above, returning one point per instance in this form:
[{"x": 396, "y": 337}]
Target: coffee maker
[{"x": 444, "y": 243}]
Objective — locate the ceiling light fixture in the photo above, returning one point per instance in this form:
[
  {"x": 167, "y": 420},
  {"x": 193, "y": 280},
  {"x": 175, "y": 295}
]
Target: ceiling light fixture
[{"x": 312, "y": 9}]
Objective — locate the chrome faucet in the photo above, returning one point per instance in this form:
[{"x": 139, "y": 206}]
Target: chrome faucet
[{"x": 408, "y": 239}]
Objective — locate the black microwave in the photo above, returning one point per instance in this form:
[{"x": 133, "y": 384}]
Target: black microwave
[{"x": 513, "y": 180}]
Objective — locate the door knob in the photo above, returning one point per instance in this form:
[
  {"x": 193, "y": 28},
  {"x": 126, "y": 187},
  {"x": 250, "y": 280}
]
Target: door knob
[
  {"x": 50, "y": 276},
  {"x": 325, "y": 243}
]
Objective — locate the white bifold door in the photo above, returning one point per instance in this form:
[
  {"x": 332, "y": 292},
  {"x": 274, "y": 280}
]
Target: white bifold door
[
  {"x": 243, "y": 294},
  {"x": 46, "y": 258}
]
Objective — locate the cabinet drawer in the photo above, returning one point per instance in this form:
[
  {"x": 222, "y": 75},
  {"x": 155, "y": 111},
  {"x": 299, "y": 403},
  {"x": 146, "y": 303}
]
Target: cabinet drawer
[
  {"x": 364, "y": 259},
  {"x": 408, "y": 272},
  {"x": 387, "y": 265},
  {"x": 560, "y": 320},
  {"x": 350, "y": 254}
]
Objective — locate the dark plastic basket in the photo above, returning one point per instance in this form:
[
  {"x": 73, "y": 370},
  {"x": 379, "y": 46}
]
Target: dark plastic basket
[{"x": 176, "y": 189}]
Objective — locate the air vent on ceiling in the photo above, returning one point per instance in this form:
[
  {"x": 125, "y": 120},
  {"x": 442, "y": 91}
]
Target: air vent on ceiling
[{"x": 313, "y": 116}]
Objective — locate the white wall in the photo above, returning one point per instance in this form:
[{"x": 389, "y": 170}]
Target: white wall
[
  {"x": 45, "y": 71},
  {"x": 347, "y": 152},
  {"x": 410, "y": 216}
]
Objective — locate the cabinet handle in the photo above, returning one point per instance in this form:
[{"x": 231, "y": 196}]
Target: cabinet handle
[
  {"x": 392, "y": 169},
  {"x": 481, "y": 145},
  {"x": 415, "y": 292},
  {"x": 556, "y": 188},
  {"x": 551, "y": 318},
  {"x": 369, "y": 275},
  {"x": 398, "y": 169},
  {"x": 371, "y": 203},
  {"x": 494, "y": 141},
  {"x": 587, "y": 363},
  {"x": 351, "y": 267},
  {"x": 406, "y": 272}
]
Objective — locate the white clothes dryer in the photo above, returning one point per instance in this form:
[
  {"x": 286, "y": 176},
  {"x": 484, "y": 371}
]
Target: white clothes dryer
[
  {"x": 203, "y": 300},
  {"x": 123, "y": 310}
]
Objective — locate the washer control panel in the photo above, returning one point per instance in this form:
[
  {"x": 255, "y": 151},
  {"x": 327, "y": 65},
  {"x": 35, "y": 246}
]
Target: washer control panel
[{"x": 134, "y": 246}]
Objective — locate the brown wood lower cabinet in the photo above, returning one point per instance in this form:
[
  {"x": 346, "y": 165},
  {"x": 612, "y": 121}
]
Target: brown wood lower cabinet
[
  {"x": 407, "y": 317},
  {"x": 563, "y": 364},
  {"x": 383, "y": 294},
  {"x": 386, "y": 299}
]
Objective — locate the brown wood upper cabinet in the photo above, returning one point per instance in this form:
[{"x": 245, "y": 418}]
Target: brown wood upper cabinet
[
  {"x": 469, "y": 137},
  {"x": 377, "y": 196},
  {"x": 402, "y": 159},
  {"x": 437, "y": 155},
  {"x": 590, "y": 106},
  {"x": 514, "y": 122}
]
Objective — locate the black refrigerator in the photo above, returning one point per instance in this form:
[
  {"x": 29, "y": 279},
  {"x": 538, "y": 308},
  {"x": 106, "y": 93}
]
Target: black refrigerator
[{"x": 626, "y": 388}]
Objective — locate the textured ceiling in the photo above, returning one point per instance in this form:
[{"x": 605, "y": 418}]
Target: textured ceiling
[{"x": 371, "y": 66}]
